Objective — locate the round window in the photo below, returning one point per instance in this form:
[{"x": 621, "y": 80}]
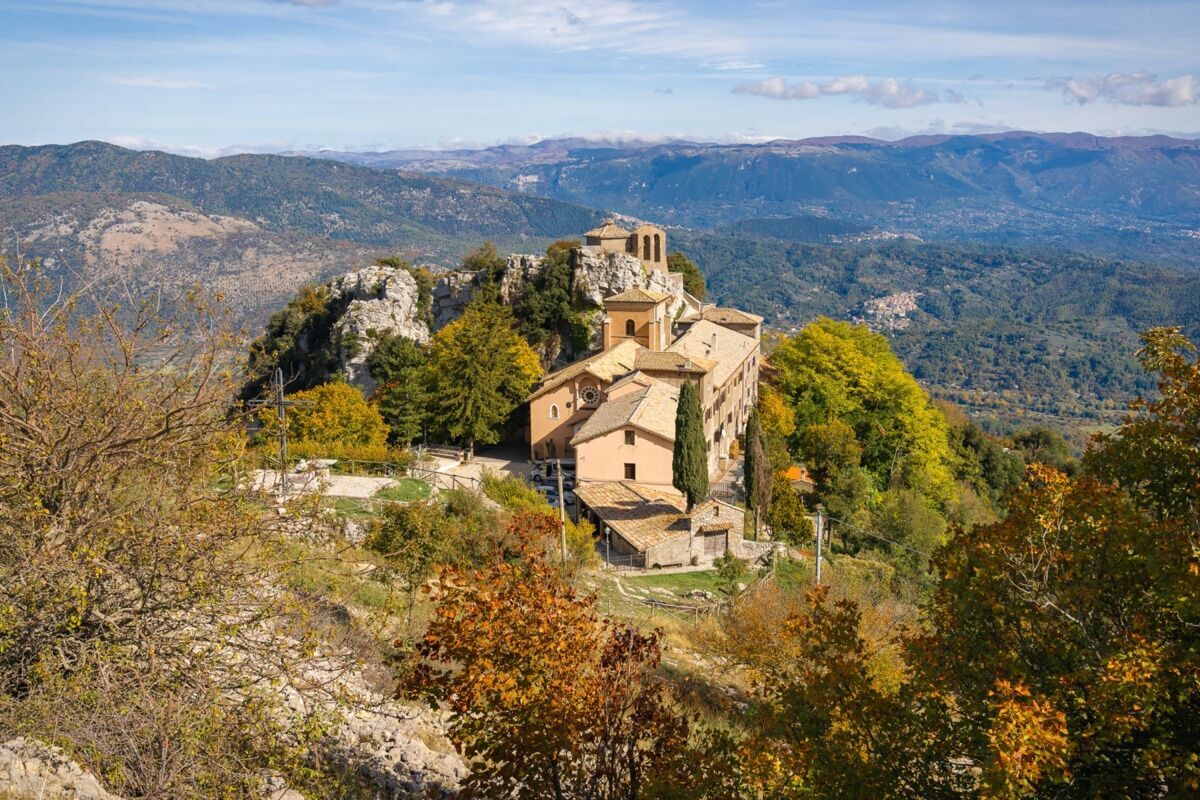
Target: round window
[{"x": 590, "y": 395}]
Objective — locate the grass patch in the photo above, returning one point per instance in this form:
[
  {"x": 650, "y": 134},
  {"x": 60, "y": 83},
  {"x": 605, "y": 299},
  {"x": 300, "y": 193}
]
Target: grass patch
[
  {"x": 679, "y": 582},
  {"x": 406, "y": 490}
]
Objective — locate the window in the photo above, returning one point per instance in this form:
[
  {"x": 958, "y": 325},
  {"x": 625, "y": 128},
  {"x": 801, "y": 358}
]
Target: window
[
  {"x": 590, "y": 395},
  {"x": 646, "y": 248},
  {"x": 657, "y": 248},
  {"x": 629, "y": 327},
  {"x": 554, "y": 411},
  {"x": 630, "y": 437},
  {"x": 631, "y": 472}
]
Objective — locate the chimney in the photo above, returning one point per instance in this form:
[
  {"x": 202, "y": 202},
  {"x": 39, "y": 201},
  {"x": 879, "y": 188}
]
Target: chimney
[{"x": 712, "y": 345}]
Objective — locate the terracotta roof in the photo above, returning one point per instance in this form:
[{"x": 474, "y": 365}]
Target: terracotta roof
[
  {"x": 708, "y": 340},
  {"x": 666, "y": 360},
  {"x": 637, "y": 296},
  {"x": 605, "y": 366},
  {"x": 651, "y": 409},
  {"x": 731, "y": 316},
  {"x": 638, "y": 514},
  {"x": 609, "y": 230},
  {"x": 796, "y": 472},
  {"x": 647, "y": 226}
]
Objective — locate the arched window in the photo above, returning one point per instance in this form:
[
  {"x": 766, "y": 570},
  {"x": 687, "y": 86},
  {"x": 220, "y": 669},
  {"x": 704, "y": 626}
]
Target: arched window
[
  {"x": 646, "y": 247},
  {"x": 629, "y": 327},
  {"x": 657, "y": 249},
  {"x": 554, "y": 411}
]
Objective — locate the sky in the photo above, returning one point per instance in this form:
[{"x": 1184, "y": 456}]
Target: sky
[{"x": 210, "y": 77}]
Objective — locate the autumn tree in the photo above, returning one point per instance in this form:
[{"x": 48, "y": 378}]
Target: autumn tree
[
  {"x": 133, "y": 571},
  {"x": 480, "y": 370},
  {"x": 333, "y": 419},
  {"x": 689, "y": 463},
  {"x": 545, "y": 699},
  {"x": 835, "y": 371}
]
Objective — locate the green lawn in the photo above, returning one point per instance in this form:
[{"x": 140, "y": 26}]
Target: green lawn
[
  {"x": 680, "y": 583},
  {"x": 406, "y": 490}
]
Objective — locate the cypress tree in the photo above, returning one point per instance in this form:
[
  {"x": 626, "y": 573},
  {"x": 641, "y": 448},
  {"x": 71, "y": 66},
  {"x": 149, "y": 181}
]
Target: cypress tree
[
  {"x": 756, "y": 469},
  {"x": 689, "y": 463}
]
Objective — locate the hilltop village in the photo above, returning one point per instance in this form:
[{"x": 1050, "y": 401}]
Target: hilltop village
[{"x": 612, "y": 414}]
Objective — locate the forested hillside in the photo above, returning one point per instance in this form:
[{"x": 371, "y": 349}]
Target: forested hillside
[
  {"x": 297, "y": 194},
  {"x": 1002, "y": 331}
]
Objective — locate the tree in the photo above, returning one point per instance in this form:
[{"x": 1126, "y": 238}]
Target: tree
[
  {"x": 300, "y": 339},
  {"x": 480, "y": 369},
  {"x": 833, "y": 456},
  {"x": 838, "y": 371},
  {"x": 778, "y": 425},
  {"x": 787, "y": 515},
  {"x": 398, "y": 365},
  {"x": 137, "y": 616},
  {"x": 1061, "y": 653},
  {"x": 1040, "y": 445},
  {"x": 756, "y": 470},
  {"x": 732, "y": 573},
  {"x": 545, "y": 699},
  {"x": 412, "y": 537},
  {"x": 689, "y": 461},
  {"x": 332, "y": 416},
  {"x": 693, "y": 278},
  {"x": 484, "y": 259}
]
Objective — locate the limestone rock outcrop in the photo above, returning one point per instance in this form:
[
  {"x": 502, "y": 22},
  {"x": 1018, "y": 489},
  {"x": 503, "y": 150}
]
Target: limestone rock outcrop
[
  {"x": 377, "y": 300},
  {"x": 29, "y": 768}
]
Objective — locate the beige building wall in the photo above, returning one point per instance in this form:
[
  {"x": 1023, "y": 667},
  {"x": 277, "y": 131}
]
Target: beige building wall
[
  {"x": 648, "y": 325},
  {"x": 649, "y": 244},
  {"x": 604, "y": 458},
  {"x": 727, "y": 408},
  {"x": 555, "y": 416}
]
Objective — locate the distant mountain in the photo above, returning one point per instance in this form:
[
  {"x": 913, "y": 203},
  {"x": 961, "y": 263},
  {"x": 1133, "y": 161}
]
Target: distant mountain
[
  {"x": 1135, "y": 197},
  {"x": 254, "y": 226},
  {"x": 298, "y": 194}
]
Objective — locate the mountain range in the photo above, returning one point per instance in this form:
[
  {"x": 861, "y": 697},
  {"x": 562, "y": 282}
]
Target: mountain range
[
  {"x": 1134, "y": 197},
  {"x": 992, "y": 310}
]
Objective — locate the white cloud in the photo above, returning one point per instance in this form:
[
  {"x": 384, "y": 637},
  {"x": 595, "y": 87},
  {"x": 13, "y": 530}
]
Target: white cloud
[
  {"x": 734, "y": 65},
  {"x": 149, "y": 82},
  {"x": 641, "y": 27},
  {"x": 1130, "y": 89},
  {"x": 203, "y": 151},
  {"x": 308, "y": 3},
  {"x": 886, "y": 92}
]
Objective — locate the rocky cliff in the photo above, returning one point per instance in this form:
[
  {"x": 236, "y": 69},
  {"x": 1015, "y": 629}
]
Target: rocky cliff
[{"x": 386, "y": 300}]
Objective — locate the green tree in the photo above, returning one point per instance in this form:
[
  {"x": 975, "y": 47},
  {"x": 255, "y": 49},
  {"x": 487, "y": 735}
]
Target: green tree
[
  {"x": 689, "y": 461},
  {"x": 412, "y": 538},
  {"x": 756, "y": 470},
  {"x": 787, "y": 514},
  {"x": 484, "y": 259},
  {"x": 300, "y": 340},
  {"x": 1039, "y": 445},
  {"x": 732, "y": 572},
  {"x": 693, "y": 278},
  {"x": 398, "y": 366},
  {"x": 833, "y": 456},
  {"x": 480, "y": 370}
]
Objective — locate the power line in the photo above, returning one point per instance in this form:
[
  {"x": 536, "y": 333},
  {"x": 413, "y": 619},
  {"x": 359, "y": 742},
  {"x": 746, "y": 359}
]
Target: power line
[{"x": 874, "y": 535}]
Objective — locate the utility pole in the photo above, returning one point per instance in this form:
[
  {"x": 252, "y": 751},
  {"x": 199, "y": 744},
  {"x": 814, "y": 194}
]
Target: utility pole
[
  {"x": 562, "y": 510},
  {"x": 280, "y": 403},
  {"x": 820, "y": 535}
]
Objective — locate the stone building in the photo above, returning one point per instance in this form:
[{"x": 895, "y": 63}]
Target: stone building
[
  {"x": 649, "y": 527},
  {"x": 646, "y": 242}
]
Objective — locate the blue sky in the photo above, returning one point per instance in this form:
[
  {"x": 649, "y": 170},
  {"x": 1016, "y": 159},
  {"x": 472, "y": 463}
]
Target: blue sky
[{"x": 214, "y": 76}]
